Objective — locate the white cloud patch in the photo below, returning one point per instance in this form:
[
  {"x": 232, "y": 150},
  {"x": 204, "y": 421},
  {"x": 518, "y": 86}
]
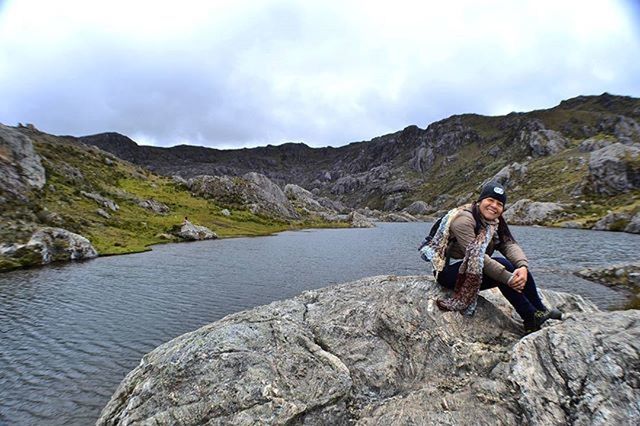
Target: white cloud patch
[{"x": 246, "y": 73}]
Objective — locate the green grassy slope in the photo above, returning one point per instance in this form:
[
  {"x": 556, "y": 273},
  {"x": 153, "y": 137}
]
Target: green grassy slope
[{"x": 72, "y": 168}]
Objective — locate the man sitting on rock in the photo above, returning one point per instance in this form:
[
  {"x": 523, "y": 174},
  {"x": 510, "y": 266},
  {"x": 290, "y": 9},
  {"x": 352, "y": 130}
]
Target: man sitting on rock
[{"x": 460, "y": 252}]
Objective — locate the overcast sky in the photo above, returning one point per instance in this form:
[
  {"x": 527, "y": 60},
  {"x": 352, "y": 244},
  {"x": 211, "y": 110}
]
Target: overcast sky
[{"x": 246, "y": 73}]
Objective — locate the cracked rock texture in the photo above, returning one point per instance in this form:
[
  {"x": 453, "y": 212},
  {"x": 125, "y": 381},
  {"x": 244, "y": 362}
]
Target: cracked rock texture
[{"x": 378, "y": 351}]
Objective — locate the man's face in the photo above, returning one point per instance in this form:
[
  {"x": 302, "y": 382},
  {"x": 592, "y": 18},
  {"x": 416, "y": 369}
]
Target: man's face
[{"x": 490, "y": 208}]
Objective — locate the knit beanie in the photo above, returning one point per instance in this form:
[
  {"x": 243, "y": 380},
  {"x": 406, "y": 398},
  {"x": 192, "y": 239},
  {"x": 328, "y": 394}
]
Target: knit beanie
[{"x": 493, "y": 190}]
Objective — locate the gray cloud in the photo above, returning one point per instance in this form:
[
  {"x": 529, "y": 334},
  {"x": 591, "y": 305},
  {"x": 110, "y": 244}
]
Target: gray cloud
[{"x": 325, "y": 73}]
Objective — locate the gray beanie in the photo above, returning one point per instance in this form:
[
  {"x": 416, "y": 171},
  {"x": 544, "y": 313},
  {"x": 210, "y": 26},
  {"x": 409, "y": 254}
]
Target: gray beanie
[{"x": 493, "y": 190}]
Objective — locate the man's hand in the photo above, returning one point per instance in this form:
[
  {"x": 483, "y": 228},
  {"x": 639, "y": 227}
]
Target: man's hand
[{"x": 519, "y": 279}]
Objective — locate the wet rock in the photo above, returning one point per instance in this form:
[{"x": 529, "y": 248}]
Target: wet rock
[
  {"x": 378, "y": 351},
  {"x": 527, "y": 212},
  {"x": 614, "y": 169}
]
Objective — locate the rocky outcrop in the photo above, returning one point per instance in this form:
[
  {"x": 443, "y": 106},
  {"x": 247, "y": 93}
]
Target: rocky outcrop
[
  {"x": 304, "y": 199},
  {"x": 540, "y": 140},
  {"x": 253, "y": 191},
  {"x": 527, "y": 212},
  {"x": 633, "y": 226},
  {"x": 399, "y": 217},
  {"x": 49, "y": 245},
  {"x": 508, "y": 175},
  {"x": 359, "y": 221},
  {"x": 449, "y": 156},
  {"x": 378, "y": 351},
  {"x": 418, "y": 208},
  {"x": 103, "y": 201},
  {"x": 626, "y": 275},
  {"x": 593, "y": 144},
  {"x": 20, "y": 166},
  {"x": 154, "y": 206},
  {"x": 190, "y": 232},
  {"x": 615, "y": 169},
  {"x": 613, "y": 221}
]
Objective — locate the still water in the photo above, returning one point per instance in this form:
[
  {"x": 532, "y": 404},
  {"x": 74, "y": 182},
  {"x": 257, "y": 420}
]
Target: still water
[{"x": 70, "y": 333}]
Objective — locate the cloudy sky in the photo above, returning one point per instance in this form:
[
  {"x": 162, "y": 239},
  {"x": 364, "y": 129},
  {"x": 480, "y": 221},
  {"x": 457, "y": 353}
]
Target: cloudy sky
[{"x": 247, "y": 73}]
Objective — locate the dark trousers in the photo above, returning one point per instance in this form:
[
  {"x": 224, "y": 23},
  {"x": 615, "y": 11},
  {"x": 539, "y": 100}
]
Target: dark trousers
[{"x": 525, "y": 303}]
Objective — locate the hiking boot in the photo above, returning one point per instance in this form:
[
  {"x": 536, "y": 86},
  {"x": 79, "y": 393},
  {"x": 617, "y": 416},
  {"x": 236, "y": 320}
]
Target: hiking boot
[{"x": 534, "y": 323}]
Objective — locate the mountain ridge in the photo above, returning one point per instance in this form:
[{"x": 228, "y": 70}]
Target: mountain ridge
[{"x": 442, "y": 164}]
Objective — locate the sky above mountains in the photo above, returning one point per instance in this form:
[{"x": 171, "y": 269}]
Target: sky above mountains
[{"x": 239, "y": 73}]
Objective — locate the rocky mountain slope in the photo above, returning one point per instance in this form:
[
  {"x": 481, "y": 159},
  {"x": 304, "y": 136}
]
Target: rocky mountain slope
[
  {"x": 61, "y": 200},
  {"x": 583, "y": 155},
  {"x": 378, "y": 351}
]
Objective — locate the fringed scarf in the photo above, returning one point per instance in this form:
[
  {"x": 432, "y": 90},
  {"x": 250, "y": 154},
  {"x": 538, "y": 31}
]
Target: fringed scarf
[{"x": 469, "y": 278}]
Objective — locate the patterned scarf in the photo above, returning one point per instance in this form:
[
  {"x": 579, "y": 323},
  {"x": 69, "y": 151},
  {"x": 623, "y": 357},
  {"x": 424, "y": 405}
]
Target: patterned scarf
[{"x": 469, "y": 277}]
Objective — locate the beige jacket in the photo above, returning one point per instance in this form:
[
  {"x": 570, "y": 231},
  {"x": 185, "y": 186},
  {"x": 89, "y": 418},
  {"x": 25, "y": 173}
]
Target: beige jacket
[{"x": 462, "y": 229}]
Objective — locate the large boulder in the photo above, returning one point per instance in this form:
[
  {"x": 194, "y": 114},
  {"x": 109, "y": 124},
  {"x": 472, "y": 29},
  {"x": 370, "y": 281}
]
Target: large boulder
[
  {"x": 615, "y": 169},
  {"x": 527, "y": 212},
  {"x": 633, "y": 226},
  {"x": 304, "y": 199},
  {"x": 190, "y": 232},
  {"x": 379, "y": 351},
  {"x": 359, "y": 220},
  {"x": 20, "y": 166},
  {"x": 418, "y": 208},
  {"x": 253, "y": 191},
  {"x": 49, "y": 245},
  {"x": 613, "y": 221}
]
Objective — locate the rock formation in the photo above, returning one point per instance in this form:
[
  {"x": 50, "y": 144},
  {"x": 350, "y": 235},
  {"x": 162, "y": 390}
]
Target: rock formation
[
  {"x": 20, "y": 166},
  {"x": 613, "y": 221},
  {"x": 50, "y": 245},
  {"x": 527, "y": 212},
  {"x": 359, "y": 221},
  {"x": 189, "y": 231},
  {"x": 418, "y": 208},
  {"x": 615, "y": 169},
  {"x": 378, "y": 351},
  {"x": 540, "y": 140},
  {"x": 552, "y": 155},
  {"x": 253, "y": 191}
]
